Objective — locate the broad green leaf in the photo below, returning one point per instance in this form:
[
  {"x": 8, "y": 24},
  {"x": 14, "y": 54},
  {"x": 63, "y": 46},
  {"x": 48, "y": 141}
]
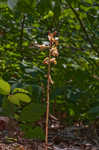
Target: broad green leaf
[
  {"x": 13, "y": 99},
  {"x": 23, "y": 97},
  {"x": 19, "y": 97},
  {"x": 4, "y": 87}
]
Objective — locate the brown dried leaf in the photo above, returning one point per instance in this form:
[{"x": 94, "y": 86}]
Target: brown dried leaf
[{"x": 20, "y": 148}]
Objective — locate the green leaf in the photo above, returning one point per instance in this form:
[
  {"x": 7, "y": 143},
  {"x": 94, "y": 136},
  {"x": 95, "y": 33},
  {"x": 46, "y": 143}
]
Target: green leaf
[
  {"x": 34, "y": 133},
  {"x": 38, "y": 133},
  {"x": 13, "y": 99},
  {"x": 89, "y": 1},
  {"x": 19, "y": 97},
  {"x": 36, "y": 92},
  {"x": 34, "y": 71},
  {"x": 71, "y": 112},
  {"x": 50, "y": 14},
  {"x": 4, "y": 87}
]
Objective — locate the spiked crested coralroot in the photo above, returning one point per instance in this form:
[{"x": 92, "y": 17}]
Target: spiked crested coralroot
[{"x": 50, "y": 60}]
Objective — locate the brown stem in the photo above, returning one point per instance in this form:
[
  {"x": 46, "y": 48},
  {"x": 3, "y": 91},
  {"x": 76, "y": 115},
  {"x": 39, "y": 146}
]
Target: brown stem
[{"x": 47, "y": 101}]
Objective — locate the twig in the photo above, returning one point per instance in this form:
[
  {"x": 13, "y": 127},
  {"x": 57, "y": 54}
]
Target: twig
[{"x": 21, "y": 35}]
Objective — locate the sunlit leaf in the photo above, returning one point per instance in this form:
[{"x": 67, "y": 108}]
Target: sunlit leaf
[
  {"x": 4, "y": 87},
  {"x": 19, "y": 97}
]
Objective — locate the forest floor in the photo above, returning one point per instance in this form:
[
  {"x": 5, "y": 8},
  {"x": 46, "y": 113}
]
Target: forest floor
[{"x": 67, "y": 138}]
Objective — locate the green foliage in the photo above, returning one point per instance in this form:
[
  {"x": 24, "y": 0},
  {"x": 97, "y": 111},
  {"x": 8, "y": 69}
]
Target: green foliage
[
  {"x": 44, "y": 5},
  {"x": 93, "y": 113},
  {"x": 94, "y": 110},
  {"x": 32, "y": 112},
  {"x": 76, "y": 76}
]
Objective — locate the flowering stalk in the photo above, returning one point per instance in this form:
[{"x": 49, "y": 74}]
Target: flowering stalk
[
  {"x": 48, "y": 61},
  {"x": 52, "y": 52}
]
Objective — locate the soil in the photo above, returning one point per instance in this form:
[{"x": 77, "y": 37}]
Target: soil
[{"x": 76, "y": 137}]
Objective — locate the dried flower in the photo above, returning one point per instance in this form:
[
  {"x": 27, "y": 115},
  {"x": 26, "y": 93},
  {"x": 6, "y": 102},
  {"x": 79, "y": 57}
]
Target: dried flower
[
  {"x": 53, "y": 60},
  {"x": 51, "y": 36},
  {"x": 46, "y": 61},
  {"x": 56, "y": 42},
  {"x": 42, "y": 47},
  {"x": 54, "y": 51}
]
